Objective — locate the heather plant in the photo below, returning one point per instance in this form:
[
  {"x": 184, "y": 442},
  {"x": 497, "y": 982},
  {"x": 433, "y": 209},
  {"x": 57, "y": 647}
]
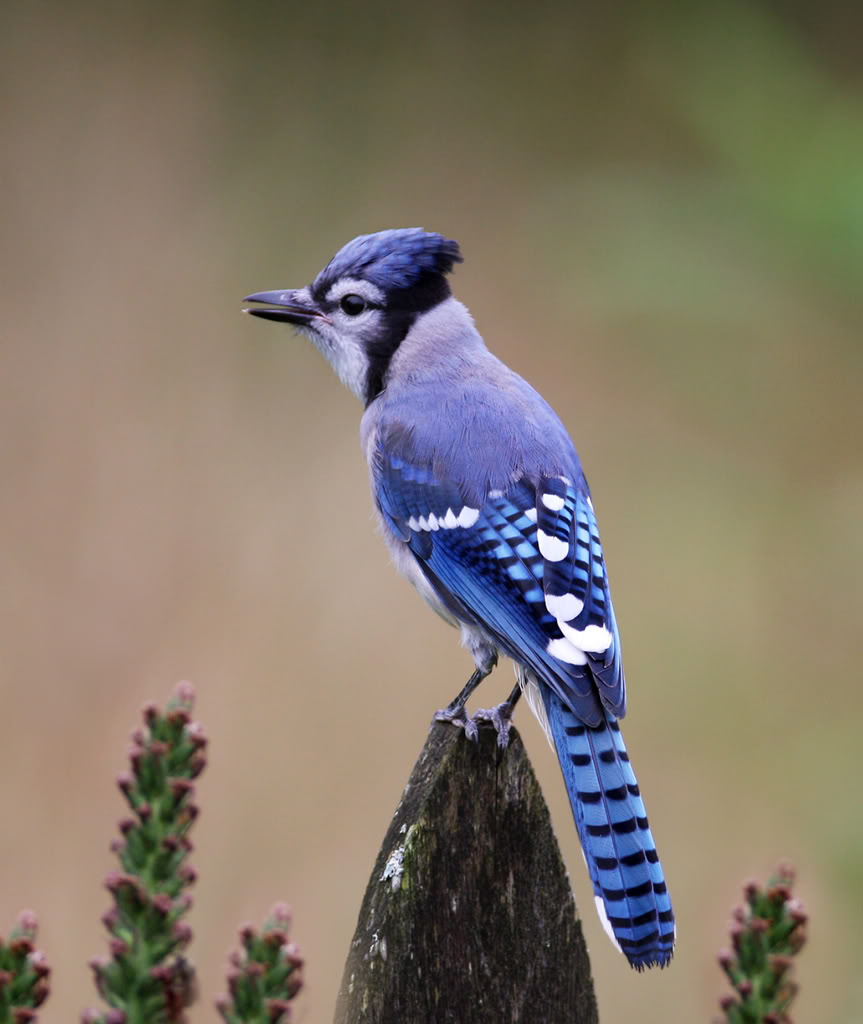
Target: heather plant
[
  {"x": 145, "y": 978},
  {"x": 24, "y": 972},
  {"x": 767, "y": 930},
  {"x": 264, "y": 974}
]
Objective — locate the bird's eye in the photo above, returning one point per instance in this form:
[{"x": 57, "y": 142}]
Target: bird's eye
[{"x": 352, "y": 304}]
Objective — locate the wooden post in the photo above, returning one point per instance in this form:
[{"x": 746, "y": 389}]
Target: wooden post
[{"x": 468, "y": 916}]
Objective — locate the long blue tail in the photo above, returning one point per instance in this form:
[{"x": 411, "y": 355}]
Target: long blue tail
[{"x": 631, "y": 895}]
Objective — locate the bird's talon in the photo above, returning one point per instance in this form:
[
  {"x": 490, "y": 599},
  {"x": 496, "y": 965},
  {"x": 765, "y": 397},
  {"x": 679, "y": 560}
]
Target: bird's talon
[
  {"x": 458, "y": 717},
  {"x": 500, "y": 717}
]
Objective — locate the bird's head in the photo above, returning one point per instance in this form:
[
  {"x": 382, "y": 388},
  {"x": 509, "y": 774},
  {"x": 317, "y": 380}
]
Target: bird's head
[{"x": 364, "y": 301}]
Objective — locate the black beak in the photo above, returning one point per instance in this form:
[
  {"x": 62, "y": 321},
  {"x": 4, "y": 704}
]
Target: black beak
[{"x": 283, "y": 306}]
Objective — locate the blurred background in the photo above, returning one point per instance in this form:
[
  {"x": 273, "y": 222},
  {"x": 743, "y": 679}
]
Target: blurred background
[{"x": 661, "y": 209}]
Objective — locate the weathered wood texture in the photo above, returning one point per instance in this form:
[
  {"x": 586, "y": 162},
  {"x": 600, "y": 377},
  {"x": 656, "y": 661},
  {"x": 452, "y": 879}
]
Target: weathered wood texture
[{"x": 468, "y": 916}]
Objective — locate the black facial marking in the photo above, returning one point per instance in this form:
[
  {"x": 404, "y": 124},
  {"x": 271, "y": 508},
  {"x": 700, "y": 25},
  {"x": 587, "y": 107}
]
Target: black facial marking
[{"x": 402, "y": 308}]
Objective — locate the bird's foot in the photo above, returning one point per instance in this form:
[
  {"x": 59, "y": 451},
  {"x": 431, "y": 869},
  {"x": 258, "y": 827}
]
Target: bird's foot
[
  {"x": 500, "y": 717},
  {"x": 456, "y": 714}
]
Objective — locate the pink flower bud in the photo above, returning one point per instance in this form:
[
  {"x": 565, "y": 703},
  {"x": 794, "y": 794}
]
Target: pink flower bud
[
  {"x": 40, "y": 991},
  {"x": 196, "y": 735},
  {"x": 277, "y": 1010},
  {"x": 26, "y": 924},
  {"x": 116, "y": 881},
  {"x": 39, "y": 962},
  {"x": 181, "y": 787},
  {"x": 184, "y": 693},
  {"x": 188, "y": 875},
  {"x": 796, "y": 912},
  {"x": 291, "y": 953},
  {"x": 281, "y": 914},
  {"x": 126, "y": 784},
  {"x": 163, "y": 903},
  {"x": 779, "y": 894},
  {"x": 188, "y": 814}
]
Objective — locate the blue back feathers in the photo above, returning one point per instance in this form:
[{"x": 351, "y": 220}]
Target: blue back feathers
[{"x": 396, "y": 258}]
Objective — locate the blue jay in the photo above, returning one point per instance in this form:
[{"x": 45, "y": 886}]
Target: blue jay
[{"x": 485, "y": 509}]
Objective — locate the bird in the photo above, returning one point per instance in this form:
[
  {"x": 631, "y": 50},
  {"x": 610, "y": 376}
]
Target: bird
[{"x": 482, "y": 501}]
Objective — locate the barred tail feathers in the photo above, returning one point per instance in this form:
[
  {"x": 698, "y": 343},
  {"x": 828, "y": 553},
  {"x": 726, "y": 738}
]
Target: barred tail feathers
[{"x": 630, "y": 892}]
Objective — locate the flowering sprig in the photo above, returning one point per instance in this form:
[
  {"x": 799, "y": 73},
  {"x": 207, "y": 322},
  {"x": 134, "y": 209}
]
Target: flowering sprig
[
  {"x": 766, "y": 932},
  {"x": 146, "y": 979},
  {"x": 23, "y": 973},
  {"x": 264, "y": 975}
]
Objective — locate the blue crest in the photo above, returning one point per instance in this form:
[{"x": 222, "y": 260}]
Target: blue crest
[{"x": 396, "y": 258}]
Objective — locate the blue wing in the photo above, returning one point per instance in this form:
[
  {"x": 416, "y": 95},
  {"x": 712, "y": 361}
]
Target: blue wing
[{"x": 525, "y": 563}]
